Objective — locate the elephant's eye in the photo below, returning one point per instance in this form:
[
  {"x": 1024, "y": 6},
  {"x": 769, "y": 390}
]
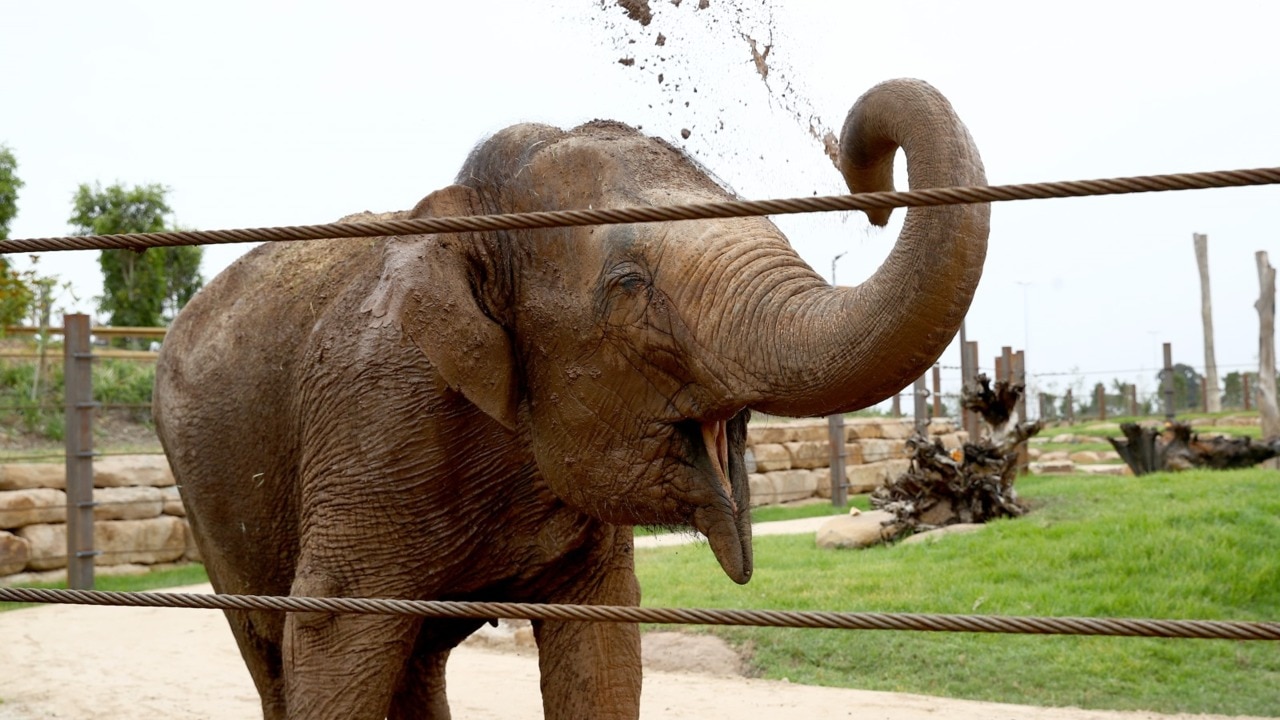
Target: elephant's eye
[
  {"x": 630, "y": 277},
  {"x": 633, "y": 282}
]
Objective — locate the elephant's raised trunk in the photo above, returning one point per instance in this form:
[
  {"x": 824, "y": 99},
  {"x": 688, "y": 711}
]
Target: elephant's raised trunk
[{"x": 829, "y": 350}]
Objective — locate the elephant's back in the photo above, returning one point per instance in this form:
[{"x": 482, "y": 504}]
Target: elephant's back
[{"x": 246, "y": 329}]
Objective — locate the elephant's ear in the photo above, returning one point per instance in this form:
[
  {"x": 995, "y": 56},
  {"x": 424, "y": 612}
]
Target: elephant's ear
[{"x": 432, "y": 286}]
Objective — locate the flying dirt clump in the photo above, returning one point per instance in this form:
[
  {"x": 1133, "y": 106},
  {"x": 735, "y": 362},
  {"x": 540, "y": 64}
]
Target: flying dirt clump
[
  {"x": 637, "y": 10},
  {"x": 678, "y": 48}
]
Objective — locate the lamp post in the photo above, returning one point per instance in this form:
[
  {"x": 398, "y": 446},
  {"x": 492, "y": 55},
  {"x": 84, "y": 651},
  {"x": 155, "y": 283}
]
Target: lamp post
[{"x": 1026, "y": 317}]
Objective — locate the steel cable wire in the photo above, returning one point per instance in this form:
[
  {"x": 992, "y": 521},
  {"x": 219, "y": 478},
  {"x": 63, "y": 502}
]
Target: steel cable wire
[
  {"x": 1115, "y": 627},
  {"x": 698, "y": 211}
]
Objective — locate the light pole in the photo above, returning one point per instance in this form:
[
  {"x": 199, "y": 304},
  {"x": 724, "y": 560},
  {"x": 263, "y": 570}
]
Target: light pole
[{"x": 833, "y": 267}]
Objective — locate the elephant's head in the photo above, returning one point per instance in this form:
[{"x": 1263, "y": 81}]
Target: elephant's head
[{"x": 633, "y": 351}]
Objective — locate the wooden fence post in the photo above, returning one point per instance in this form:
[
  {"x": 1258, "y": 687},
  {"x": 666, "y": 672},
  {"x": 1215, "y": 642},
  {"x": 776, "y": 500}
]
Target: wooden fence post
[
  {"x": 78, "y": 406},
  {"x": 1070, "y": 408},
  {"x": 835, "y": 437},
  {"x": 1169, "y": 411},
  {"x": 1100, "y": 399},
  {"x": 1131, "y": 393}
]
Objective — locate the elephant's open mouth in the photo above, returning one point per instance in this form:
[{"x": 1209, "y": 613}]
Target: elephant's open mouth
[{"x": 722, "y": 513}]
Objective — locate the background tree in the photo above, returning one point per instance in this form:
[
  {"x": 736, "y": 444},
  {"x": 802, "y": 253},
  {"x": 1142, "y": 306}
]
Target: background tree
[
  {"x": 1186, "y": 387},
  {"x": 139, "y": 289},
  {"x": 15, "y": 295}
]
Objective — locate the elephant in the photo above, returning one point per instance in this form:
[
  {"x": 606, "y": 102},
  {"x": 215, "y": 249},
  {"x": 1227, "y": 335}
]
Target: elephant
[{"x": 486, "y": 415}]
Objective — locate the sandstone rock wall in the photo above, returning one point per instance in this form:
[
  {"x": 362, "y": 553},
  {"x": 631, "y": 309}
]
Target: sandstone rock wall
[
  {"x": 791, "y": 460},
  {"x": 138, "y": 517}
]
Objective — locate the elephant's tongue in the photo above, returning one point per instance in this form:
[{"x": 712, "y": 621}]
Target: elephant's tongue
[{"x": 719, "y": 520}]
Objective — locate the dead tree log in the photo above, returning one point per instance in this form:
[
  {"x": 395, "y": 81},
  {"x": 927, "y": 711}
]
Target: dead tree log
[
  {"x": 972, "y": 484},
  {"x": 1148, "y": 449}
]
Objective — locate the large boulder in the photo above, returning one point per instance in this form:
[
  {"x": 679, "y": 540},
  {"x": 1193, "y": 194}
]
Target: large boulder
[
  {"x": 15, "y": 553},
  {"x": 932, "y": 536},
  {"x": 1104, "y": 469},
  {"x": 792, "y": 485},
  {"x": 771, "y": 457},
  {"x": 813, "y": 432},
  {"x": 127, "y": 503},
  {"x": 857, "y": 531},
  {"x": 32, "y": 507},
  {"x": 770, "y": 434},
  {"x": 862, "y": 429},
  {"x": 897, "y": 429},
  {"x": 762, "y": 490},
  {"x": 128, "y": 470},
  {"x": 876, "y": 450},
  {"x": 1051, "y": 467},
  {"x": 173, "y": 501},
  {"x": 809, "y": 454},
  {"x": 25, "y": 476}
]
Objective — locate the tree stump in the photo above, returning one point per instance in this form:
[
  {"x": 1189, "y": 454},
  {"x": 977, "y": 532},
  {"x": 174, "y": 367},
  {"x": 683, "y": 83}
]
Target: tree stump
[
  {"x": 1148, "y": 449},
  {"x": 972, "y": 484}
]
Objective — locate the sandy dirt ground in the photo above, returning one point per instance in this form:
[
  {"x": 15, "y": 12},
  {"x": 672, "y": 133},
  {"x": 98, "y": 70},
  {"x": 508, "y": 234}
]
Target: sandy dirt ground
[{"x": 100, "y": 662}]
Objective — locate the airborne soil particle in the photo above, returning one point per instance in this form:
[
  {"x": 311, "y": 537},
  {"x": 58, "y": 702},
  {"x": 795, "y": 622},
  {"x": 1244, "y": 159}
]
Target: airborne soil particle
[{"x": 637, "y": 10}]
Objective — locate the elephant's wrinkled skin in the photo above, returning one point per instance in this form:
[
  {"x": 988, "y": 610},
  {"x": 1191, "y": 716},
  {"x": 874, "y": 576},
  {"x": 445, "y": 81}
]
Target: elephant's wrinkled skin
[{"x": 483, "y": 416}]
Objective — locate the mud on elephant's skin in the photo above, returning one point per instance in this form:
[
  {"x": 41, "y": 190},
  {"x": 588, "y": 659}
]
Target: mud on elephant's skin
[{"x": 483, "y": 415}]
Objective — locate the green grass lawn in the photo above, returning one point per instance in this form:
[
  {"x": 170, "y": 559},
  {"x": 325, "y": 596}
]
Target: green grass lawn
[{"x": 1196, "y": 545}]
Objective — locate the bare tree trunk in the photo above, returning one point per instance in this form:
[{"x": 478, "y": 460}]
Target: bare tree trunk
[
  {"x": 1213, "y": 398},
  {"x": 1266, "y": 306}
]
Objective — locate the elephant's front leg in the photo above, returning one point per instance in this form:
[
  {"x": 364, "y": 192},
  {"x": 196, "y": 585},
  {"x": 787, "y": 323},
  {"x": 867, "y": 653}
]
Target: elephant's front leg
[
  {"x": 591, "y": 670},
  {"x": 342, "y": 666}
]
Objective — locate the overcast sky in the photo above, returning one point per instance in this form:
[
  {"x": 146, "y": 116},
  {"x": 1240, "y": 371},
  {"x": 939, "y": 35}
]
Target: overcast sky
[{"x": 277, "y": 113}]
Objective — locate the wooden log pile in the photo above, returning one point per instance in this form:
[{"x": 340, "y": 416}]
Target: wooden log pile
[
  {"x": 1147, "y": 449},
  {"x": 972, "y": 484}
]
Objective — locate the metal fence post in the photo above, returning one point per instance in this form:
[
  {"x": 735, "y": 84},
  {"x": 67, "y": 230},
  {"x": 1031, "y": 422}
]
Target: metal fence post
[
  {"x": 921, "y": 408},
  {"x": 1169, "y": 411},
  {"x": 78, "y": 364},
  {"x": 968, "y": 377},
  {"x": 937, "y": 391},
  {"x": 835, "y": 436}
]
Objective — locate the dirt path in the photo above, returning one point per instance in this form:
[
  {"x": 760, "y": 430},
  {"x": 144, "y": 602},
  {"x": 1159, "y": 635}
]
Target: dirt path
[{"x": 98, "y": 663}]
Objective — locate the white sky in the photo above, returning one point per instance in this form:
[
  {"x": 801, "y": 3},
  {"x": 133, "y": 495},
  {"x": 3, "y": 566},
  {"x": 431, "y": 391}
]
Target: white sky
[{"x": 278, "y": 113}]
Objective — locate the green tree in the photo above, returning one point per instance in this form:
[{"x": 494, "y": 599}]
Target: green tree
[
  {"x": 1186, "y": 387},
  {"x": 139, "y": 288},
  {"x": 15, "y": 295}
]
